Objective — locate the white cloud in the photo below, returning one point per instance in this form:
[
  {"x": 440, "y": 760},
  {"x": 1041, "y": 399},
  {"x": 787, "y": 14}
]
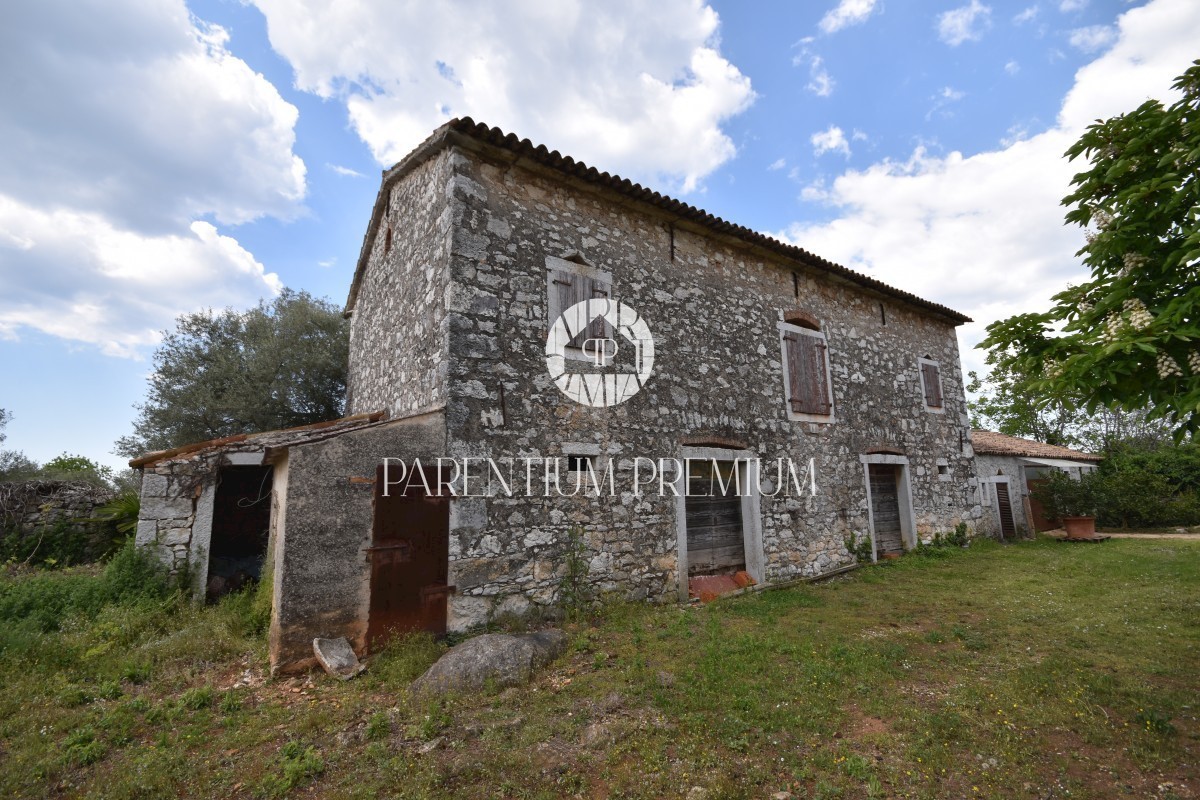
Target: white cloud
[
  {"x": 820, "y": 82},
  {"x": 964, "y": 24},
  {"x": 129, "y": 124},
  {"x": 619, "y": 85},
  {"x": 778, "y": 164},
  {"x": 84, "y": 279},
  {"x": 944, "y": 97},
  {"x": 1067, "y": 6},
  {"x": 984, "y": 233},
  {"x": 845, "y": 14},
  {"x": 338, "y": 169},
  {"x": 1027, "y": 15},
  {"x": 1012, "y": 67},
  {"x": 830, "y": 140},
  {"x": 1092, "y": 38}
]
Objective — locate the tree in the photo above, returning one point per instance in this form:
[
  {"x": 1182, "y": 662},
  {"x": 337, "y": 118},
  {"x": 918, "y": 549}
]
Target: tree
[
  {"x": 1005, "y": 402},
  {"x": 14, "y": 465},
  {"x": 1127, "y": 338},
  {"x": 278, "y": 365}
]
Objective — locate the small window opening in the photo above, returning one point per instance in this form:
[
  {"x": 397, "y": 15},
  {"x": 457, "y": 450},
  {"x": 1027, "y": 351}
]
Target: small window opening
[
  {"x": 882, "y": 315},
  {"x": 579, "y": 463},
  {"x": 387, "y": 241}
]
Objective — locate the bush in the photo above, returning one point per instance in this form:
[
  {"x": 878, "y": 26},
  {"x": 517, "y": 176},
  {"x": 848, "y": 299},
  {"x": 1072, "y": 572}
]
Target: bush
[
  {"x": 1064, "y": 496},
  {"x": 45, "y": 600}
]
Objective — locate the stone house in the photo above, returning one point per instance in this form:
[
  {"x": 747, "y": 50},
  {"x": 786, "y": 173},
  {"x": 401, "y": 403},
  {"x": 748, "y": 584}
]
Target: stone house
[
  {"x": 540, "y": 322},
  {"x": 1009, "y": 468}
]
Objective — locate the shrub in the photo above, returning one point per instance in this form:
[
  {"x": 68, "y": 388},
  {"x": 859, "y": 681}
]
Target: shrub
[
  {"x": 1064, "y": 496},
  {"x": 45, "y": 600}
]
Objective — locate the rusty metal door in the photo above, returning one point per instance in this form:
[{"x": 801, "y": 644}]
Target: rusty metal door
[
  {"x": 885, "y": 508},
  {"x": 409, "y": 556}
]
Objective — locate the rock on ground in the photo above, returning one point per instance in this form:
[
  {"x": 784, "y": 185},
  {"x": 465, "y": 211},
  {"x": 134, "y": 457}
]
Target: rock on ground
[
  {"x": 337, "y": 657},
  {"x": 502, "y": 659}
]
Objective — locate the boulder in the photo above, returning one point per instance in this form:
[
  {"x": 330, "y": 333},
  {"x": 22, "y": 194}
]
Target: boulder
[
  {"x": 337, "y": 658},
  {"x": 501, "y": 659}
]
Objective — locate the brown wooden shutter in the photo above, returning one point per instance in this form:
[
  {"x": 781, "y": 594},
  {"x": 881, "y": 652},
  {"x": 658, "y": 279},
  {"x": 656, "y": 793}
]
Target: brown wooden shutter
[
  {"x": 820, "y": 390},
  {"x": 808, "y": 380},
  {"x": 791, "y": 346},
  {"x": 933, "y": 385}
]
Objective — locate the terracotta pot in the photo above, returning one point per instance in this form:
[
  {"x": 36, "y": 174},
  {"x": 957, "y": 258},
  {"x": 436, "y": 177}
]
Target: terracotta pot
[{"x": 1079, "y": 527}]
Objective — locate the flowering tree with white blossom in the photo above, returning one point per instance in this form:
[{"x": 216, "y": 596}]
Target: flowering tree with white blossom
[{"x": 1128, "y": 338}]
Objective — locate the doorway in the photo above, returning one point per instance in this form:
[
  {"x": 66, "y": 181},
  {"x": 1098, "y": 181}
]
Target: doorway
[
  {"x": 409, "y": 556},
  {"x": 885, "y": 508},
  {"x": 241, "y": 525},
  {"x": 1008, "y": 528},
  {"x": 716, "y": 543}
]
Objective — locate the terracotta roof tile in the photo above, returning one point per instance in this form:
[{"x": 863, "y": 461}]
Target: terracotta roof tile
[
  {"x": 465, "y": 130},
  {"x": 991, "y": 443}
]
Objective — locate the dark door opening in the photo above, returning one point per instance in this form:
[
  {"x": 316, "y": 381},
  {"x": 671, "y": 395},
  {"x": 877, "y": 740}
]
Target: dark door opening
[
  {"x": 885, "y": 508},
  {"x": 1007, "y": 528},
  {"x": 241, "y": 527},
  {"x": 713, "y": 513},
  {"x": 410, "y": 554}
]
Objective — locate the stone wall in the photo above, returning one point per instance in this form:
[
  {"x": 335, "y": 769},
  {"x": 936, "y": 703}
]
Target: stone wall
[
  {"x": 30, "y": 509},
  {"x": 175, "y": 520},
  {"x": 713, "y": 305},
  {"x": 397, "y": 333}
]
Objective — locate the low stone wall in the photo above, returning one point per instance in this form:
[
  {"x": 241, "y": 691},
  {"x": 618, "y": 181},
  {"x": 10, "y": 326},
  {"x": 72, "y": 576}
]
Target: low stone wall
[{"x": 29, "y": 510}]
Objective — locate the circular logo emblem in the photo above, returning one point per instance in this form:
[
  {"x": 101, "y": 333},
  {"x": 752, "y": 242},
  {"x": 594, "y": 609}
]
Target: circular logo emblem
[{"x": 600, "y": 352}]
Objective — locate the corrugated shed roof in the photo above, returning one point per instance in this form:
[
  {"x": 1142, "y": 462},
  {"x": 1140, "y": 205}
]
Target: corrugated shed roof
[
  {"x": 285, "y": 437},
  {"x": 466, "y": 131},
  {"x": 990, "y": 443}
]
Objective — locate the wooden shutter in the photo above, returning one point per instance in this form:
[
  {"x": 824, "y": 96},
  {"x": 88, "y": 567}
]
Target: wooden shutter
[
  {"x": 933, "y": 385},
  {"x": 599, "y": 328},
  {"x": 808, "y": 379}
]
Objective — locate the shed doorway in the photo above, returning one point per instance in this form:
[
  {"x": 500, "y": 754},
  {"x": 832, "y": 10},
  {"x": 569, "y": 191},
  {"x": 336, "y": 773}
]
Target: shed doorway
[
  {"x": 409, "y": 555},
  {"x": 241, "y": 525}
]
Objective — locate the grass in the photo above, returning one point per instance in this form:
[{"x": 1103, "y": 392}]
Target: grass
[{"x": 1024, "y": 670}]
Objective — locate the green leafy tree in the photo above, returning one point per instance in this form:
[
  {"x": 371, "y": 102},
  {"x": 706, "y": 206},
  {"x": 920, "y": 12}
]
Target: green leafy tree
[
  {"x": 68, "y": 467},
  {"x": 278, "y": 365},
  {"x": 1126, "y": 338}
]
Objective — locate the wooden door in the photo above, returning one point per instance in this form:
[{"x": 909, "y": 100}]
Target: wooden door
[
  {"x": 713, "y": 514},
  {"x": 1008, "y": 528},
  {"x": 885, "y": 508},
  {"x": 1041, "y": 521},
  {"x": 409, "y": 556}
]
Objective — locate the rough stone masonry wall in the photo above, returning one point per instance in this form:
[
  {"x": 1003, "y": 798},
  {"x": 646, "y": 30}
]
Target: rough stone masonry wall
[
  {"x": 713, "y": 307},
  {"x": 397, "y": 332},
  {"x": 28, "y": 509},
  {"x": 176, "y": 510}
]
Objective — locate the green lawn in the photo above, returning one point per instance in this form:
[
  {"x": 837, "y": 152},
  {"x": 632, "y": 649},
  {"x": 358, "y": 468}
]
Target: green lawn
[{"x": 1033, "y": 670}]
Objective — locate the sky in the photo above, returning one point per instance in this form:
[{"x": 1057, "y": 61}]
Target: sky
[{"x": 159, "y": 157}]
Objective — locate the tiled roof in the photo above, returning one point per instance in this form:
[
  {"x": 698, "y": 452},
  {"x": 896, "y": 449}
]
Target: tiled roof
[
  {"x": 466, "y": 131},
  {"x": 991, "y": 443},
  {"x": 285, "y": 437}
]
